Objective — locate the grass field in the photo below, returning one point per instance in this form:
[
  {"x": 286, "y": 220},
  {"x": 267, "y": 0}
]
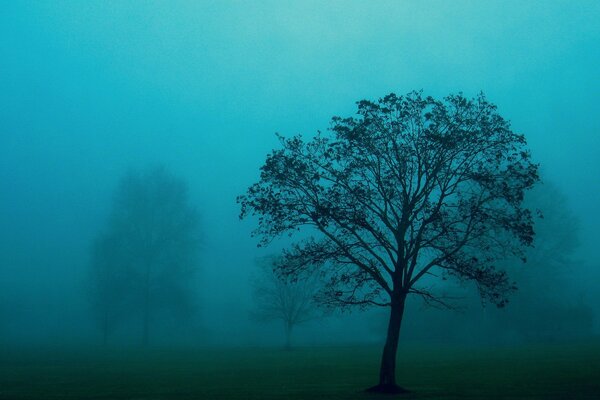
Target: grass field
[{"x": 533, "y": 372}]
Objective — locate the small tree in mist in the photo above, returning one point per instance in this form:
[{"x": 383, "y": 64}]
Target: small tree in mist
[
  {"x": 283, "y": 298},
  {"x": 412, "y": 187},
  {"x": 148, "y": 251}
]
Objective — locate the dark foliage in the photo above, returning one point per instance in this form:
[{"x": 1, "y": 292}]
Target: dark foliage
[{"x": 410, "y": 185}]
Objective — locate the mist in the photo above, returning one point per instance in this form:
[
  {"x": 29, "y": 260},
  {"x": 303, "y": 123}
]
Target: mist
[{"x": 90, "y": 92}]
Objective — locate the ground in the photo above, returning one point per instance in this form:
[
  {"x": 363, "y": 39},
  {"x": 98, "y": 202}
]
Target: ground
[{"x": 527, "y": 372}]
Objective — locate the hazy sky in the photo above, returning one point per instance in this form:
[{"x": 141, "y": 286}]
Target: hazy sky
[{"x": 89, "y": 89}]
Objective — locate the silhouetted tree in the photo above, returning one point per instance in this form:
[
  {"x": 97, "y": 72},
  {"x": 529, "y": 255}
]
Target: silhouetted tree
[
  {"x": 283, "y": 298},
  {"x": 411, "y": 187},
  {"x": 150, "y": 244}
]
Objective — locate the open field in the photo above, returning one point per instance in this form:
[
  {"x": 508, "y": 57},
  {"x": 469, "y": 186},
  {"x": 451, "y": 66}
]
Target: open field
[{"x": 533, "y": 372}]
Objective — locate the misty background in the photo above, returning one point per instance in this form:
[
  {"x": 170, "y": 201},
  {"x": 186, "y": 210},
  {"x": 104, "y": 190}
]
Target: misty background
[{"x": 89, "y": 91}]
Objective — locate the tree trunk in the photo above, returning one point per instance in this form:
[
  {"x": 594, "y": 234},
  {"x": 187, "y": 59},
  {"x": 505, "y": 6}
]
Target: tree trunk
[
  {"x": 146, "y": 308},
  {"x": 105, "y": 329},
  {"x": 288, "y": 335},
  {"x": 387, "y": 372},
  {"x": 146, "y": 325}
]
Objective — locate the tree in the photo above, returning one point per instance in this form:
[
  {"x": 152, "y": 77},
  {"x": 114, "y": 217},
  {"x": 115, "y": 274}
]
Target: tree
[
  {"x": 545, "y": 308},
  {"x": 281, "y": 298},
  {"x": 411, "y": 187},
  {"x": 149, "y": 248}
]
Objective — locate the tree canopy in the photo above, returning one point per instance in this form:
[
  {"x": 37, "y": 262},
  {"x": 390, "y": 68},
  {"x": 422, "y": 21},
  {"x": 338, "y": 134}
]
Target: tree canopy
[{"x": 411, "y": 185}]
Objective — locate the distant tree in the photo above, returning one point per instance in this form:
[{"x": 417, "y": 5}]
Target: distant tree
[
  {"x": 149, "y": 248},
  {"x": 548, "y": 306},
  {"x": 412, "y": 187},
  {"x": 280, "y": 298}
]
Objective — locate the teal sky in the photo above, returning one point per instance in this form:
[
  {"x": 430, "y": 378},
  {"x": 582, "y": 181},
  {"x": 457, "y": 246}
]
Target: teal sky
[{"x": 89, "y": 89}]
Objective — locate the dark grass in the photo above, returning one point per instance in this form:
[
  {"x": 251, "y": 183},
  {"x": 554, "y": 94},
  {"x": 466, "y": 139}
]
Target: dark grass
[{"x": 531, "y": 372}]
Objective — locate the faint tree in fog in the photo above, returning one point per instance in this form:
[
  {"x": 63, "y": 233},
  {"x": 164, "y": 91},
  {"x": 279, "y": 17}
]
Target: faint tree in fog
[
  {"x": 412, "y": 187},
  {"x": 149, "y": 246},
  {"x": 283, "y": 298},
  {"x": 547, "y": 306}
]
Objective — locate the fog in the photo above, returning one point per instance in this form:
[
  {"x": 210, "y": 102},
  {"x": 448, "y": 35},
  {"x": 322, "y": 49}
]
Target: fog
[{"x": 91, "y": 91}]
